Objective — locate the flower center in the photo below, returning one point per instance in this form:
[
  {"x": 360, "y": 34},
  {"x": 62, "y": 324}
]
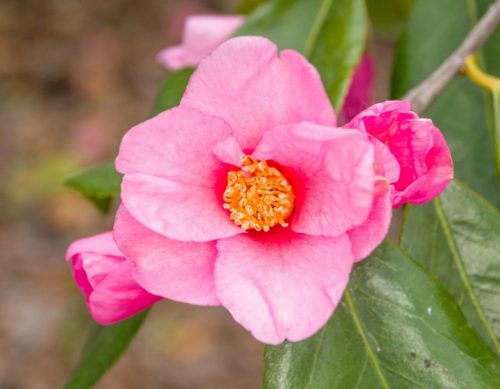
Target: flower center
[{"x": 258, "y": 196}]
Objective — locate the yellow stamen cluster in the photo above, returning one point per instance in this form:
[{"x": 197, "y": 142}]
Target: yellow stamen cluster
[{"x": 258, "y": 196}]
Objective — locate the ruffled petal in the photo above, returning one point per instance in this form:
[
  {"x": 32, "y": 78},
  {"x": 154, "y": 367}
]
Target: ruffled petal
[
  {"x": 423, "y": 156},
  {"x": 380, "y": 108},
  {"x": 331, "y": 172},
  {"x": 366, "y": 237},
  {"x": 180, "y": 271},
  {"x": 245, "y": 83},
  {"x": 426, "y": 175},
  {"x": 105, "y": 278},
  {"x": 201, "y": 35},
  {"x": 173, "y": 177},
  {"x": 282, "y": 285}
]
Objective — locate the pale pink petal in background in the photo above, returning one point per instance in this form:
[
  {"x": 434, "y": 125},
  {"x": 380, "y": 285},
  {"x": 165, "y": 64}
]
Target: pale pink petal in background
[{"x": 201, "y": 35}]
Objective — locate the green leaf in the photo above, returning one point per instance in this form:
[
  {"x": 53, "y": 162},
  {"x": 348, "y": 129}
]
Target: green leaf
[
  {"x": 172, "y": 90},
  {"x": 98, "y": 184},
  {"x": 389, "y": 16},
  {"x": 103, "y": 348},
  {"x": 395, "y": 327},
  {"x": 463, "y": 111},
  {"x": 247, "y": 6},
  {"x": 331, "y": 33},
  {"x": 457, "y": 238}
]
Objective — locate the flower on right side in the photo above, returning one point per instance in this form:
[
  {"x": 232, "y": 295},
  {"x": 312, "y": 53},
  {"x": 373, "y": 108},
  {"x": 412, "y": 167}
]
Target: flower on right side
[{"x": 409, "y": 151}]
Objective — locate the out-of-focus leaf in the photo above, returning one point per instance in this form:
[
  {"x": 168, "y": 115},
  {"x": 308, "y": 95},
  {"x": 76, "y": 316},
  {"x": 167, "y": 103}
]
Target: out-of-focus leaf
[
  {"x": 389, "y": 16},
  {"x": 331, "y": 33},
  {"x": 463, "y": 111},
  {"x": 172, "y": 90},
  {"x": 490, "y": 48},
  {"x": 104, "y": 346},
  {"x": 457, "y": 238},
  {"x": 395, "y": 328},
  {"x": 247, "y": 6},
  {"x": 98, "y": 184}
]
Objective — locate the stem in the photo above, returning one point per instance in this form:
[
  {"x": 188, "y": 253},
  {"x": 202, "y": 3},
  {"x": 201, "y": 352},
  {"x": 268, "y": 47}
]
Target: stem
[
  {"x": 423, "y": 94},
  {"x": 484, "y": 80}
]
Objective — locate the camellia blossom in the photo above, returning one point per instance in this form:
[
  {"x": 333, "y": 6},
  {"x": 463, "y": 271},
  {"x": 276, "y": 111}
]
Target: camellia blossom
[
  {"x": 248, "y": 196},
  {"x": 105, "y": 278},
  {"x": 201, "y": 35},
  {"x": 409, "y": 151}
]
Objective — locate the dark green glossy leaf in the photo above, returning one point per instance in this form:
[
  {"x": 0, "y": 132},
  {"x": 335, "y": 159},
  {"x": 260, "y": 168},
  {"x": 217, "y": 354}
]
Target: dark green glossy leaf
[
  {"x": 331, "y": 33},
  {"x": 457, "y": 238},
  {"x": 463, "y": 111},
  {"x": 172, "y": 90},
  {"x": 98, "y": 184},
  {"x": 395, "y": 327},
  {"x": 104, "y": 346}
]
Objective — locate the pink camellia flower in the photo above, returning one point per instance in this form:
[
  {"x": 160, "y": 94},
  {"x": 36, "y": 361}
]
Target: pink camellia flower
[
  {"x": 105, "y": 278},
  {"x": 248, "y": 196},
  {"x": 201, "y": 35},
  {"x": 409, "y": 151}
]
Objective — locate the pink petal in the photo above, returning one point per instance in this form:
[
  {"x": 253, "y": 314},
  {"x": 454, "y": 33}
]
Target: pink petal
[
  {"x": 418, "y": 146},
  {"x": 245, "y": 83},
  {"x": 173, "y": 179},
  {"x": 366, "y": 237},
  {"x": 104, "y": 276},
  {"x": 282, "y": 285},
  {"x": 202, "y": 34},
  {"x": 175, "y": 58},
  {"x": 438, "y": 171},
  {"x": 386, "y": 164},
  {"x": 377, "y": 109},
  {"x": 331, "y": 172},
  {"x": 360, "y": 91},
  {"x": 100, "y": 244},
  {"x": 180, "y": 271}
]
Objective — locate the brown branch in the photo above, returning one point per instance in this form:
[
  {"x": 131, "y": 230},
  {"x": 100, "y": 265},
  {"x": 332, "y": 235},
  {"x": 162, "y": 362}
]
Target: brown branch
[{"x": 423, "y": 94}]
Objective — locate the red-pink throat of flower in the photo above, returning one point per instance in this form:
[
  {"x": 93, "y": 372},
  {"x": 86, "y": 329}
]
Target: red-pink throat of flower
[{"x": 258, "y": 196}]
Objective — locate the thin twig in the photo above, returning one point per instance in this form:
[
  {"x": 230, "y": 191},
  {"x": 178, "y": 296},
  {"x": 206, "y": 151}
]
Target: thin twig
[{"x": 423, "y": 94}]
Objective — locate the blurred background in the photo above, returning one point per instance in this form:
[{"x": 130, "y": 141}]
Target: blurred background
[{"x": 74, "y": 76}]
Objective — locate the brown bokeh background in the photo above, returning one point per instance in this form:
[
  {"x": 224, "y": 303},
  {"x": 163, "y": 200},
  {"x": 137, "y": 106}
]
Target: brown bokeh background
[{"x": 74, "y": 76}]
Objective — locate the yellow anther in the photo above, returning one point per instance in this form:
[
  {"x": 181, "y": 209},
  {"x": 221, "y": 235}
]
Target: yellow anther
[{"x": 258, "y": 196}]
